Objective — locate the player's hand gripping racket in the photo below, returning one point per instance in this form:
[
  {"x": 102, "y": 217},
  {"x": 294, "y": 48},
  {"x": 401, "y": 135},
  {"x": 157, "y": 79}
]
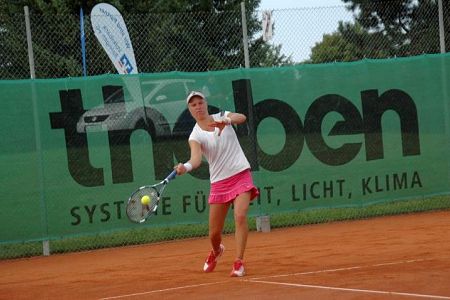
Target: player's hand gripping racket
[{"x": 144, "y": 201}]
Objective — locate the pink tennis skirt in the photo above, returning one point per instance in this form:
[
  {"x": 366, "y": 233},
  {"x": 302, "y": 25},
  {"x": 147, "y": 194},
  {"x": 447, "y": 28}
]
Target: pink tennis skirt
[{"x": 226, "y": 190}]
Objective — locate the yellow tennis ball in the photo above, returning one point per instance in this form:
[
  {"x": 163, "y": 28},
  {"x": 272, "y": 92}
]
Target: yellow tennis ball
[{"x": 145, "y": 200}]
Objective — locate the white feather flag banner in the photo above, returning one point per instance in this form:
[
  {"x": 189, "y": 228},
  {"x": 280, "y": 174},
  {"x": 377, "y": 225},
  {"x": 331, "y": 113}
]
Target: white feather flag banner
[
  {"x": 111, "y": 31},
  {"x": 267, "y": 25}
]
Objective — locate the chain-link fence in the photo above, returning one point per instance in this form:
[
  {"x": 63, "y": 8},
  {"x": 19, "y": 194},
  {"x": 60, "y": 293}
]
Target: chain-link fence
[{"x": 204, "y": 41}]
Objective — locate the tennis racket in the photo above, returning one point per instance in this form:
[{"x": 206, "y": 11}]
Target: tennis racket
[{"x": 139, "y": 207}]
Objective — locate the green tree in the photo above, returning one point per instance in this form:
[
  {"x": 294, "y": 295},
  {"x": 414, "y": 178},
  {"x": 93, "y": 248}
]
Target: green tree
[
  {"x": 13, "y": 48},
  {"x": 349, "y": 43},
  {"x": 410, "y": 27},
  {"x": 383, "y": 29},
  {"x": 183, "y": 35},
  {"x": 55, "y": 36}
]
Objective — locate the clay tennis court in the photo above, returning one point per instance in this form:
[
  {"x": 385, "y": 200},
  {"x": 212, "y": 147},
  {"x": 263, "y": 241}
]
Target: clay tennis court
[{"x": 394, "y": 257}]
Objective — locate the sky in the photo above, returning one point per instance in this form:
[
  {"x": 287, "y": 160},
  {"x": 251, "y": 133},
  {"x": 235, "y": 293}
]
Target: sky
[
  {"x": 282, "y": 4},
  {"x": 300, "y": 24}
]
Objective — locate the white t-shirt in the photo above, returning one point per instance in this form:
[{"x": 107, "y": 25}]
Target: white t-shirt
[{"x": 223, "y": 153}]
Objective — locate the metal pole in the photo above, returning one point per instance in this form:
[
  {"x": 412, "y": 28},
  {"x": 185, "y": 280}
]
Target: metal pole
[
  {"x": 444, "y": 81},
  {"x": 244, "y": 35},
  {"x": 83, "y": 41},
  {"x": 441, "y": 27},
  {"x": 37, "y": 134},
  {"x": 30, "y": 45}
]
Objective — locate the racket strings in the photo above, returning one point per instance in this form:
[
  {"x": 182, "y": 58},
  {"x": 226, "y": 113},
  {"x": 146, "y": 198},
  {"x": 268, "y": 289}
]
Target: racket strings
[{"x": 136, "y": 210}]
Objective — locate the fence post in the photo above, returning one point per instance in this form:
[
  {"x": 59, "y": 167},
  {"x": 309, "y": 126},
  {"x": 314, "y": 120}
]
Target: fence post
[
  {"x": 441, "y": 27},
  {"x": 83, "y": 41},
  {"x": 45, "y": 243},
  {"x": 244, "y": 36},
  {"x": 30, "y": 45}
]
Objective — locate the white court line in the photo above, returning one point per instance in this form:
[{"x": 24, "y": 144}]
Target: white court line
[
  {"x": 343, "y": 269},
  {"x": 351, "y": 290},
  {"x": 163, "y": 290},
  {"x": 258, "y": 279}
]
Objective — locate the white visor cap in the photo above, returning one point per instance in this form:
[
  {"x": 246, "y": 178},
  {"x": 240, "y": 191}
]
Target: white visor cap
[{"x": 193, "y": 94}]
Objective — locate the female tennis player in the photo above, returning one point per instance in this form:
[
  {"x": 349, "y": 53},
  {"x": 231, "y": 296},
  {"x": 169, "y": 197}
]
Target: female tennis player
[{"x": 230, "y": 176}]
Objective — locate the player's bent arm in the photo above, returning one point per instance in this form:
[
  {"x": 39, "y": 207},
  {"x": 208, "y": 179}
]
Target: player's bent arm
[{"x": 237, "y": 118}]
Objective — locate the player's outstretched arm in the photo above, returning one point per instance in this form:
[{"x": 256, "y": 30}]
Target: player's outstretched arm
[{"x": 194, "y": 162}]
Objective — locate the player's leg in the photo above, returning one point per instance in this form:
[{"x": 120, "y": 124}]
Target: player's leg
[
  {"x": 241, "y": 205},
  {"x": 217, "y": 215}
]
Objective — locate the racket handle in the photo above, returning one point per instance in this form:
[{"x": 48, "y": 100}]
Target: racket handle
[{"x": 171, "y": 176}]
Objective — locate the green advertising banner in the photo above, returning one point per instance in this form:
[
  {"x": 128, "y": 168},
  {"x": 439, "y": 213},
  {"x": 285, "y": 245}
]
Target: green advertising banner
[{"x": 317, "y": 136}]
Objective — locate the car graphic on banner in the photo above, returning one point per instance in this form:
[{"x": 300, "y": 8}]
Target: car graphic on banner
[{"x": 163, "y": 103}]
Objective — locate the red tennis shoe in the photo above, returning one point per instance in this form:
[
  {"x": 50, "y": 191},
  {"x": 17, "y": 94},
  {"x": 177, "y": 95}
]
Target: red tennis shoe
[
  {"x": 211, "y": 260},
  {"x": 238, "y": 269}
]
